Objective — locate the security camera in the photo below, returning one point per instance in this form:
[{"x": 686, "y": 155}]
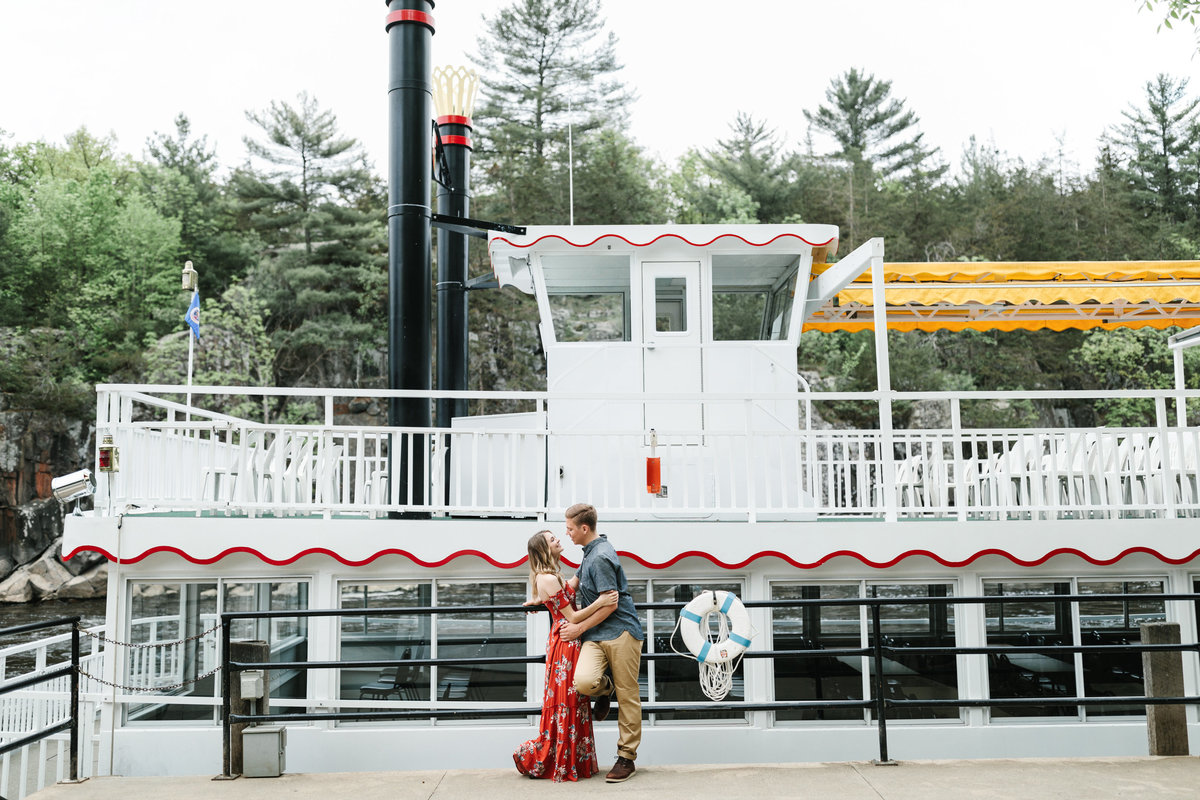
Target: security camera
[{"x": 73, "y": 486}]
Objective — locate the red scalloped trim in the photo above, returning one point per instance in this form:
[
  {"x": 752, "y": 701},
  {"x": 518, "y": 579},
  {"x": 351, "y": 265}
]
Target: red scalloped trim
[
  {"x": 664, "y": 236},
  {"x": 654, "y": 565}
]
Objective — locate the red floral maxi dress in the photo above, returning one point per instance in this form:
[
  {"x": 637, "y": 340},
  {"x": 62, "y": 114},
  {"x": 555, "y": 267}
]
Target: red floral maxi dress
[{"x": 564, "y": 748}]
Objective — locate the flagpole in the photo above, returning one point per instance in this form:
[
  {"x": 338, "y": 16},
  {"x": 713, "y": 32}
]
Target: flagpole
[
  {"x": 191, "y": 281},
  {"x": 191, "y": 349}
]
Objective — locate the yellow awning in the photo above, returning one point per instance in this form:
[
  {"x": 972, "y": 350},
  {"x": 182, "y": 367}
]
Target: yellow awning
[
  {"x": 1001, "y": 271},
  {"x": 1025, "y": 295},
  {"x": 930, "y": 294}
]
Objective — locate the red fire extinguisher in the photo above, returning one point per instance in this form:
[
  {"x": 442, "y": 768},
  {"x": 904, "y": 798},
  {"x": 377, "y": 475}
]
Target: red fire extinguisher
[{"x": 653, "y": 467}]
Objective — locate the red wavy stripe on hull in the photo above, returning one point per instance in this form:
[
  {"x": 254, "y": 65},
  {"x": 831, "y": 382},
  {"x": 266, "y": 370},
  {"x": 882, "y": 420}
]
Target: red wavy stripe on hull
[{"x": 652, "y": 564}]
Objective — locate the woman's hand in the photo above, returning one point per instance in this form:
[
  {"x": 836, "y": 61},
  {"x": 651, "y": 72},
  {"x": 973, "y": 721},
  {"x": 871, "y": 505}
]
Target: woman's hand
[{"x": 608, "y": 598}]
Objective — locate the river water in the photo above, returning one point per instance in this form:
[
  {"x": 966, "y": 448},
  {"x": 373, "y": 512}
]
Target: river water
[{"x": 15, "y": 614}]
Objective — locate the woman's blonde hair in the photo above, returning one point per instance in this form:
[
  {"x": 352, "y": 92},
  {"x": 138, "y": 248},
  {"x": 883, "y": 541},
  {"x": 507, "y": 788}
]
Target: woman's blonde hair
[{"x": 541, "y": 560}]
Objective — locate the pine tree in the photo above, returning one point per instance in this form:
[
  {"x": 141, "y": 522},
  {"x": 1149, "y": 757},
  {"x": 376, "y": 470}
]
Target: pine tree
[
  {"x": 751, "y": 161},
  {"x": 873, "y": 128},
  {"x": 316, "y": 207},
  {"x": 1160, "y": 143},
  {"x": 544, "y": 64},
  {"x": 180, "y": 181}
]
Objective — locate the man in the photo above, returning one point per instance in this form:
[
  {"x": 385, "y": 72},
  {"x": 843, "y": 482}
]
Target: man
[{"x": 612, "y": 639}]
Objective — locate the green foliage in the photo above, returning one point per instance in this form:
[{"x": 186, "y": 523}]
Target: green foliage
[
  {"x": 871, "y": 128},
  {"x": 40, "y": 370},
  {"x": 1127, "y": 359},
  {"x": 234, "y": 350},
  {"x": 698, "y": 197},
  {"x": 180, "y": 183},
  {"x": 549, "y": 95},
  {"x": 752, "y": 163},
  {"x": 320, "y": 276},
  {"x": 1185, "y": 11},
  {"x": 1159, "y": 144},
  {"x": 615, "y": 184}
]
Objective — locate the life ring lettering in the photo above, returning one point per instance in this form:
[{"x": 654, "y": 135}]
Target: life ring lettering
[{"x": 693, "y": 626}]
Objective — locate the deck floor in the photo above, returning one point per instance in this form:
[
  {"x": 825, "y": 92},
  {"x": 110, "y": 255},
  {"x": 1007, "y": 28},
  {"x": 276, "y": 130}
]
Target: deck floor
[{"x": 1031, "y": 779}]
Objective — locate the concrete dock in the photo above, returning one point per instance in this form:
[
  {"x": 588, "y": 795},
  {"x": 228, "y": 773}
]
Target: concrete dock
[{"x": 1029, "y": 779}]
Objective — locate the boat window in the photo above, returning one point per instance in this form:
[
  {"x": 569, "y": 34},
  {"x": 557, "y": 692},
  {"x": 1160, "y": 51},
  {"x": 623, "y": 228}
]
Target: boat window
[
  {"x": 464, "y": 634},
  {"x": 738, "y": 316},
  {"x": 377, "y": 637},
  {"x": 175, "y": 630},
  {"x": 676, "y": 680},
  {"x": 472, "y": 634},
  {"x": 670, "y": 305},
  {"x": 1116, "y": 622},
  {"x": 833, "y": 627},
  {"x": 917, "y": 624},
  {"x": 816, "y": 627},
  {"x": 1029, "y": 622},
  {"x": 780, "y": 316},
  {"x": 752, "y": 296},
  {"x": 592, "y": 317},
  {"x": 1026, "y": 621},
  {"x": 589, "y": 295}
]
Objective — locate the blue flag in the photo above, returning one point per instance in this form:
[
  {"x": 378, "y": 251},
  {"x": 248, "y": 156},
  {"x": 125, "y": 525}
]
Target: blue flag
[{"x": 193, "y": 314}]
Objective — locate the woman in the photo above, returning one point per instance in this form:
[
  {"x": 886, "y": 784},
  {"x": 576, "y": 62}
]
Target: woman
[{"x": 564, "y": 748}]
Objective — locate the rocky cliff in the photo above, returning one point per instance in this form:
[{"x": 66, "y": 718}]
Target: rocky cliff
[{"x": 35, "y": 446}]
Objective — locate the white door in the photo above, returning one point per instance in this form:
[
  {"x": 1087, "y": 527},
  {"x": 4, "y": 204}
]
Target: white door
[{"x": 671, "y": 362}]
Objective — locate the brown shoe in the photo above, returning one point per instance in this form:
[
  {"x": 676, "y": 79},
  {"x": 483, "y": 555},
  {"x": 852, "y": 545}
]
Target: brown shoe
[
  {"x": 621, "y": 771},
  {"x": 600, "y": 707}
]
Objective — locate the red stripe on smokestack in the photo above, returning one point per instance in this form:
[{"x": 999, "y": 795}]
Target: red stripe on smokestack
[
  {"x": 454, "y": 119},
  {"x": 408, "y": 15},
  {"x": 465, "y": 141}
]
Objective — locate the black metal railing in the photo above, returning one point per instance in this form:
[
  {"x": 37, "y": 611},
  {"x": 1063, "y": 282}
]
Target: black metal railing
[
  {"x": 878, "y": 649},
  {"x": 72, "y": 722}
]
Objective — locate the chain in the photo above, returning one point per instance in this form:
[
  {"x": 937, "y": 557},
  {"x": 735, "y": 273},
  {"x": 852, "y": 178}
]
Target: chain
[
  {"x": 148, "y": 645},
  {"x": 163, "y": 688}
]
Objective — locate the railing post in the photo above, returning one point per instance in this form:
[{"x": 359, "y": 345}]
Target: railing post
[
  {"x": 961, "y": 494},
  {"x": 1166, "y": 725},
  {"x": 880, "y": 700},
  {"x": 75, "y": 701},
  {"x": 226, "y": 732}
]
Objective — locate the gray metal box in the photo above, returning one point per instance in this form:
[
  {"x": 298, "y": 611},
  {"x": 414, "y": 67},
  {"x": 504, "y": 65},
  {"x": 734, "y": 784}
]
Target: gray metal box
[{"x": 263, "y": 751}]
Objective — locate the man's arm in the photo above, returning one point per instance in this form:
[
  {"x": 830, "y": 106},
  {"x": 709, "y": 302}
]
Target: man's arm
[{"x": 573, "y": 630}]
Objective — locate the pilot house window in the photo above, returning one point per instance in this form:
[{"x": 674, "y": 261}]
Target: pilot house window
[{"x": 670, "y": 305}]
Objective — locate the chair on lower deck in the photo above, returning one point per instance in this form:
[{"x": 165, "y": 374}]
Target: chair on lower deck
[
  {"x": 395, "y": 682},
  {"x": 382, "y": 687}
]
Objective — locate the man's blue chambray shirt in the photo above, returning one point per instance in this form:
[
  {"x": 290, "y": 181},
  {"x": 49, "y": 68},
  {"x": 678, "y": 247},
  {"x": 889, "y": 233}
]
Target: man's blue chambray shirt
[{"x": 601, "y": 572}]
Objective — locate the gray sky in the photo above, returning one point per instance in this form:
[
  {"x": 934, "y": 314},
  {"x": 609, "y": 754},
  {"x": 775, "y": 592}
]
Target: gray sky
[{"x": 1022, "y": 74}]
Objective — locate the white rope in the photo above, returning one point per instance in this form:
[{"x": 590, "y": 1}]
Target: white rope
[{"x": 715, "y": 679}]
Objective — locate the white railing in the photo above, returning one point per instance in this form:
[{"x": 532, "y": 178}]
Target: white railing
[
  {"x": 23, "y": 712},
  {"x": 173, "y": 457}
]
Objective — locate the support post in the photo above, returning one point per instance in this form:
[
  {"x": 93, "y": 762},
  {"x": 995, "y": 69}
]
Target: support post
[
  {"x": 226, "y": 737},
  {"x": 880, "y": 687},
  {"x": 1166, "y": 725},
  {"x": 883, "y": 377},
  {"x": 247, "y": 651},
  {"x": 75, "y": 700}
]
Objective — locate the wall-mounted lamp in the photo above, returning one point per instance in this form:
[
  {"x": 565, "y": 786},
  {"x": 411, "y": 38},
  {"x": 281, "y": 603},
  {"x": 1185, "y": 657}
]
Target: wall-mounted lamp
[
  {"x": 110, "y": 455},
  {"x": 74, "y": 486}
]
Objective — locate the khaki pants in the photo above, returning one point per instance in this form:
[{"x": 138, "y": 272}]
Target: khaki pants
[{"x": 623, "y": 656}]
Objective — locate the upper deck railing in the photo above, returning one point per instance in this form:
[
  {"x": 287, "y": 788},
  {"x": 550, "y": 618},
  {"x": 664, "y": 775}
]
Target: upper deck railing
[{"x": 772, "y": 465}]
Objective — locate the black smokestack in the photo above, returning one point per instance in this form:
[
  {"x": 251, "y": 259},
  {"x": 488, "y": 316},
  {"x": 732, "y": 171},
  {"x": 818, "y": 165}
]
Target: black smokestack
[
  {"x": 410, "y": 101},
  {"x": 454, "y": 130}
]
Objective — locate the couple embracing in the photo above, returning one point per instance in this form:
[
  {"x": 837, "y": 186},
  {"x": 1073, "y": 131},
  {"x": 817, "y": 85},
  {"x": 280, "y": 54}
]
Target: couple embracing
[{"x": 594, "y": 651}]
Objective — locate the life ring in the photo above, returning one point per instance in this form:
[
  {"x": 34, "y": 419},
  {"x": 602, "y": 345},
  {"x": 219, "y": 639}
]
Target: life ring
[{"x": 693, "y": 627}]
